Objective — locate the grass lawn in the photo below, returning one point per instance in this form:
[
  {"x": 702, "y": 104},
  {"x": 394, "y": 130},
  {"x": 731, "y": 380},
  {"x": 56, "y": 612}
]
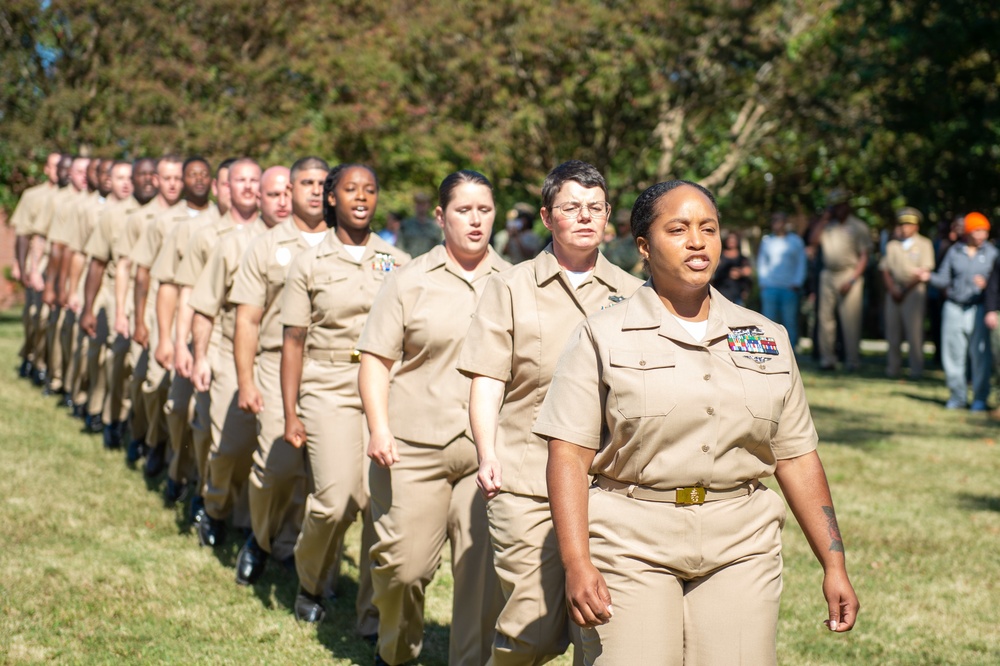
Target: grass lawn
[{"x": 94, "y": 569}]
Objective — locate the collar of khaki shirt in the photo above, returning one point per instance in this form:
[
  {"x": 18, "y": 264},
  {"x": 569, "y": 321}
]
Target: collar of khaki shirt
[
  {"x": 331, "y": 245},
  {"x": 438, "y": 259},
  {"x": 547, "y": 268},
  {"x": 645, "y": 310}
]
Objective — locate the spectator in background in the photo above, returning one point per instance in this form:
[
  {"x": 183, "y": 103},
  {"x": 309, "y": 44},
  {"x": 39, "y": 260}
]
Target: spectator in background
[
  {"x": 517, "y": 241},
  {"x": 732, "y": 277},
  {"x": 419, "y": 233},
  {"x": 905, "y": 257},
  {"x": 621, "y": 249},
  {"x": 991, "y": 305},
  {"x": 390, "y": 232},
  {"x": 948, "y": 233},
  {"x": 845, "y": 245},
  {"x": 964, "y": 272},
  {"x": 781, "y": 272}
]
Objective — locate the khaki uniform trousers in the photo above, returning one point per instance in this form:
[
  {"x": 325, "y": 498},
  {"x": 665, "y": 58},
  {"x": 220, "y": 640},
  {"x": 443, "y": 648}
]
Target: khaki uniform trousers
[
  {"x": 97, "y": 356},
  {"x": 833, "y": 304},
  {"x": 201, "y": 433},
  {"x": 278, "y": 482},
  {"x": 234, "y": 439},
  {"x": 155, "y": 389},
  {"x": 138, "y": 360},
  {"x": 59, "y": 345},
  {"x": 428, "y": 496},
  {"x": 80, "y": 385},
  {"x": 117, "y": 404},
  {"x": 37, "y": 340},
  {"x": 330, "y": 409},
  {"x": 534, "y": 626},
  {"x": 696, "y": 584},
  {"x": 178, "y": 412},
  {"x": 906, "y": 319}
]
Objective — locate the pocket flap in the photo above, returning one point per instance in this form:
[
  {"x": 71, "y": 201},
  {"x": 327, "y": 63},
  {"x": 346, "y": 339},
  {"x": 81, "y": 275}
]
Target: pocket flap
[
  {"x": 640, "y": 360},
  {"x": 774, "y": 365}
]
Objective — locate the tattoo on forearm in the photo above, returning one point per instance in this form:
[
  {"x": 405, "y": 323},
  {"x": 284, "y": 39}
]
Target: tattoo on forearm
[{"x": 836, "y": 543}]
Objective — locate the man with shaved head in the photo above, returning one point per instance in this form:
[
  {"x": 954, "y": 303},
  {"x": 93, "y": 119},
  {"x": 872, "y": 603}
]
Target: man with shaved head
[
  {"x": 278, "y": 477},
  {"x": 234, "y": 432}
]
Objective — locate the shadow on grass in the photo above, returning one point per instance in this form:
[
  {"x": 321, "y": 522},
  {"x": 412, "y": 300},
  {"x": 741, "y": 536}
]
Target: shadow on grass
[
  {"x": 971, "y": 502},
  {"x": 850, "y": 428}
]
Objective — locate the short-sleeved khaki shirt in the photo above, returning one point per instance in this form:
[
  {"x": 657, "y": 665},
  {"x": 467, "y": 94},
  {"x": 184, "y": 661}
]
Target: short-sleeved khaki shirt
[
  {"x": 666, "y": 412},
  {"x": 87, "y": 220},
  {"x": 136, "y": 222},
  {"x": 261, "y": 278},
  {"x": 202, "y": 241},
  {"x": 330, "y": 293},
  {"x": 41, "y": 224},
  {"x": 420, "y": 318},
  {"x": 64, "y": 216},
  {"x": 175, "y": 244},
  {"x": 154, "y": 229},
  {"x": 523, "y": 321},
  {"x": 903, "y": 260},
  {"x": 210, "y": 295},
  {"x": 30, "y": 206},
  {"x": 843, "y": 243}
]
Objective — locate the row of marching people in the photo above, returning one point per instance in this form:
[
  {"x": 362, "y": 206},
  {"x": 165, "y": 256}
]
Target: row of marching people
[{"x": 296, "y": 372}]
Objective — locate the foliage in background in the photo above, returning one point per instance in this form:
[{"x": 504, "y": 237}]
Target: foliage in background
[{"x": 770, "y": 103}]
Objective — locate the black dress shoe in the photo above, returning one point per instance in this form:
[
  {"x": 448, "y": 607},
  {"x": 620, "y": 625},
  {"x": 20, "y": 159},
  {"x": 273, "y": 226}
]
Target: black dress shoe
[
  {"x": 113, "y": 436},
  {"x": 174, "y": 492},
  {"x": 135, "y": 451},
  {"x": 211, "y": 531},
  {"x": 371, "y": 639},
  {"x": 379, "y": 661},
  {"x": 79, "y": 410},
  {"x": 39, "y": 377},
  {"x": 92, "y": 424},
  {"x": 25, "y": 370},
  {"x": 250, "y": 563},
  {"x": 47, "y": 391},
  {"x": 198, "y": 514},
  {"x": 309, "y": 608},
  {"x": 67, "y": 401},
  {"x": 156, "y": 460}
]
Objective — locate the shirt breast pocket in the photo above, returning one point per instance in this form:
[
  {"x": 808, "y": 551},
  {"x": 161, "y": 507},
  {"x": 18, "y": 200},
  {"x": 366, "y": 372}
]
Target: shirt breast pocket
[
  {"x": 328, "y": 290},
  {"x": 643, "y": 383},
  {"x": 764, "y": 385}
]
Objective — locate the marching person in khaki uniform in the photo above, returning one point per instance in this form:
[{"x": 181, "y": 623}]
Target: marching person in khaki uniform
[
  {"x": 173, "y": 336},
  {"x": 61, "y": 316},
  {"x": 31, "y": 204},
  {"x": 521, "y": 325},
  {"x": 203, "y": 239},
  {"x": 153, "y": 221},
  {"x": 278, "y": 474},
  {"x": 845, "y": 245},
  {"x": 99, "y": 308},
  {"x": 905, "y": 294},
  {"x": 679, "y": 402},
  {"x": 329, "y": 291},
  {"x": 423, "y": 482},
  {"x": 234, "y": 432}
]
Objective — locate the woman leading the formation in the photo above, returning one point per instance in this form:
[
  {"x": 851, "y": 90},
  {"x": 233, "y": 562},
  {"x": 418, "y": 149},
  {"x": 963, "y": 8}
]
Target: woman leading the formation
[
  {"x": 678, "y": 402},
  {"x": 327, "y": 296},
  {"x": 423, "y": 482}
]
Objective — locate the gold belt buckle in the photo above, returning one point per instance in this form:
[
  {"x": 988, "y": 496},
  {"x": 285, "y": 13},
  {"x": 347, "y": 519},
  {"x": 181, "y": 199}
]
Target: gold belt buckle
[
  {"x": 692, "y": 495},
  {"x": 355, "y": 356}
]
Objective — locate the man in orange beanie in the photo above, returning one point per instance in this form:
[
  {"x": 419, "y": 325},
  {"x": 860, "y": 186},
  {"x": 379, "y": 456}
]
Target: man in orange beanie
[{"x": 964, "y": 272}]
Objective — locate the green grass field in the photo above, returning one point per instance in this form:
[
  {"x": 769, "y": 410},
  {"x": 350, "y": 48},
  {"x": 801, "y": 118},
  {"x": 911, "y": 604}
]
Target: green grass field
[{"x": 94, "y": 569}]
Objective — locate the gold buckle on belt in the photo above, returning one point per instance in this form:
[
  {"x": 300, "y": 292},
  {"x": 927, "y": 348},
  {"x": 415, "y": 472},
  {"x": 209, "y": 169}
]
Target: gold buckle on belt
[
  {"x": 355, "y": 356},
  {"x": 691, "y": 495}
]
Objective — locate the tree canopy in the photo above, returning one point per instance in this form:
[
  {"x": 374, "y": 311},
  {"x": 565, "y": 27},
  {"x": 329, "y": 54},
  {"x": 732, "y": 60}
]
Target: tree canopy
[{"x": 768, "y": 102}]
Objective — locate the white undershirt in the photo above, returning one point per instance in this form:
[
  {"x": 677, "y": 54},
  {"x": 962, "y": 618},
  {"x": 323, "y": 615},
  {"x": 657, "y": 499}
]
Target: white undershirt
[
  {"x": 468, "y": 275},
  {"x": 577, "y": 278},
  {"x": 696, "y": 329},
  {"x": 313, "y": 238},
  {"x": 355, "y": 251}
]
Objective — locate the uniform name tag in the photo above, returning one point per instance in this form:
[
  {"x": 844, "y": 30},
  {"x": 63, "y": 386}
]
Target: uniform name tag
[{"x": 751, "y": 340}]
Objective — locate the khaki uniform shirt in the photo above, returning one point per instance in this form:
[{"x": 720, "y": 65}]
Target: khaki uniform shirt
[
  {"x": 523, "y": 321},
  {"x": 175, "y": 244},
  {"x": 666, "y": 412},
  {"x": 100, "y": 245},
  {"x": 330, "y": 293},
  {"x": 901, "y": 263},
  {"x": 64, "y": 215},
  {"x": 419, "y": 318},
  {"x": 87, "y": 220},
  {"x": 261, "y": 278},
  {"x": 210, "y": 296},
  {"x": 42, "y": 222},
  {"x": 30, "y": 206},
  {"x": 203, "y": 239},
  {"x": 843, "y": 243}
]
